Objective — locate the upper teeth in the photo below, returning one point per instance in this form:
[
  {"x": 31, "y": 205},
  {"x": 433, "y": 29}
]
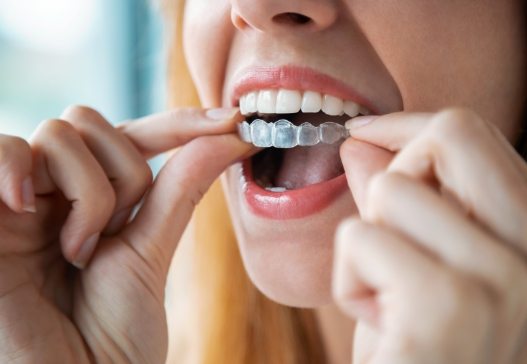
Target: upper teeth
[{"x": 283, "y": 101}]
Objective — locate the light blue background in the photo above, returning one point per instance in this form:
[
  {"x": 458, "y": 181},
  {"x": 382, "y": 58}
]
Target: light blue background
[{"x": 54, "y": 53}]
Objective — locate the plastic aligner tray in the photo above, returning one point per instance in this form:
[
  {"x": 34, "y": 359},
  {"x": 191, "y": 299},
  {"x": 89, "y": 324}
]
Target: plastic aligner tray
[{"x": 284, "y": 134}]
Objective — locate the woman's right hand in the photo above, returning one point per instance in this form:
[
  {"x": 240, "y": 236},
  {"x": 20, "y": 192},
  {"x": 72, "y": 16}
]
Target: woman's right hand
[{"x": 67, "y": 196}]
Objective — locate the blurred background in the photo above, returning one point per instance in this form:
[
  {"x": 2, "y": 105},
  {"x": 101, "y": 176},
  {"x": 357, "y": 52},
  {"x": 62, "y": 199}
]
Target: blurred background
[{"x": 108, "y": 55}]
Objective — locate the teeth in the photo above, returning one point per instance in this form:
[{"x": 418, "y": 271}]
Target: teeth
[
  {"x": 288, "y": 102},
  {"x": 251, "y": 102},
  {"x": 243, "y": 107},
  {"x": 284, "y": 134},
  {"x": 332, "y": 105},
  {"x": 276, "y": 189},
  {"x": 364, "y": 111},
  {"x": 266, "y": 103},
  {"x": 285, "y": 101},
  {"x": 311, "y": 102},
  {"x": 351, "y": 108}
]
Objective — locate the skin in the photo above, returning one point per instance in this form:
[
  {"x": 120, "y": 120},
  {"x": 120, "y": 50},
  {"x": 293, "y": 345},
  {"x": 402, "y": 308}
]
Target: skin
[
  {"x": 433, "y": 263},
  {"x": 396, "y": 70}
]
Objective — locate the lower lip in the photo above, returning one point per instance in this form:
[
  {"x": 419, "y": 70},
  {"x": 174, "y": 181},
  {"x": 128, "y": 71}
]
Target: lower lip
[{"x": 293, "y": 204}]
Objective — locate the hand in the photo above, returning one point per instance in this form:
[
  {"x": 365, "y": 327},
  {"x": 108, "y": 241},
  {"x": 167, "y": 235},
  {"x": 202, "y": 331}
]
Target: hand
[
  {"x": 67, "y": 195},
  {"x": 435, "y": 269}
]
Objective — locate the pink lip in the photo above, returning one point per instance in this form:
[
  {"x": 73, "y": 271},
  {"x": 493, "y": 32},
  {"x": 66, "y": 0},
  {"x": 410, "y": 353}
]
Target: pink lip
[
  {"x": 294, "y": 204},
  {"x": 295, "y": 78}
]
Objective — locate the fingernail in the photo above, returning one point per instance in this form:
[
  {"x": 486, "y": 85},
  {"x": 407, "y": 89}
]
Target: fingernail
[
  {"x": 28, "y": 196},
  {"x": 85, "y": 252},
  {"x": 359, "y": 122},
  {"x": 220, "y": 114},
  {"x": 117, "y": 222}
]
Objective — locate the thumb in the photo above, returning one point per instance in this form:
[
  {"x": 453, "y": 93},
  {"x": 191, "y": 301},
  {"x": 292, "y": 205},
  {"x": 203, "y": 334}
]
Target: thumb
[
  {"x": 362, "y": 161},
  {"x": 179, "y": 186}
]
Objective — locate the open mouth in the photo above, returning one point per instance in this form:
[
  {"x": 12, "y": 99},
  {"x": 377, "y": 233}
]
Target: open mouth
[{"x": 279, "y": 170}]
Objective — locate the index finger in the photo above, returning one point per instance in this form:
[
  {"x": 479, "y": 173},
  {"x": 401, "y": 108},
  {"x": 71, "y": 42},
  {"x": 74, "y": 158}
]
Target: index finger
[
  {"x": 391, "y": 131},
  {"x": 158, "y": 133}
]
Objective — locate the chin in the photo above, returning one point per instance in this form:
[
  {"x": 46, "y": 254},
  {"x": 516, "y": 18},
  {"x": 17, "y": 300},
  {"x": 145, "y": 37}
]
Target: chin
[{"x": 288, "y": 257}]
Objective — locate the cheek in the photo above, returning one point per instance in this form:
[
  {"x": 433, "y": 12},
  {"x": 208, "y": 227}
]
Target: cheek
[
  {"x": 207, "y": 36},
  {"x": 461, "y": 53}
]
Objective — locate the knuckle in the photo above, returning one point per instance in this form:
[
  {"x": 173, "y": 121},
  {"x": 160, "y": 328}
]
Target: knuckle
[
  {"x": 193, "y": 191},
  {"x": 380, "y": 191},
  {"x": 514, "y": 275},
  {"x": 456, "y": 123},
  {"x": 348, "y": 228},
  {"x": 76, "y": 114},
  {"x": 56, "y": 129},
  {"x": 143, "y": 176},
  {"x": 106, "y": 200},
  {"x": 12, "y": 147},
  {"x": 456, "y": 294},
  {"x": 141, "y": 179},
  {"x": 196, "y": 195}
]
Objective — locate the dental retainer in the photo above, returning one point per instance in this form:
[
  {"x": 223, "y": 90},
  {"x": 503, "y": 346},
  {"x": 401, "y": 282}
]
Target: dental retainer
[{"x": 285, "y": 134}]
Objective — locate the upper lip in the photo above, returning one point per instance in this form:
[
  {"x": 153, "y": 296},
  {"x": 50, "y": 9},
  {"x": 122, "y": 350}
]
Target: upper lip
[{"x": 295, "y": 78}]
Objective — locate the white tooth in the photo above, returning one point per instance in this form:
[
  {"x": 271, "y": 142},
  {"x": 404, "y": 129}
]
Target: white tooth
[
  {"x": 250, "y": 102},
  {"x": 267, "y": 102},
  {"x": 364, "y": 111},
  {"x": 351, "y": 108},
  {"x": 276, "y": 189},
  {"x": 332, "y": 105},
  {"x": 311, "y": 102},
  {"x": 243, "y": 105},
  {"x": 288, "y": 101}
]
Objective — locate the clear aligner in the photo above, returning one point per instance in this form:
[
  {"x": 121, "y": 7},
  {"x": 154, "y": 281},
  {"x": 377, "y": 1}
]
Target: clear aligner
[{"x": 285, "y": 134}]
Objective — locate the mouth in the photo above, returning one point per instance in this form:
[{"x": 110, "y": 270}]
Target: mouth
[
  {"x": 279, "y": 170},
  {"x": 294, "y": 182}
]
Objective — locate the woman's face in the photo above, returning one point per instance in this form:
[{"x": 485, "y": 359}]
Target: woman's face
[{"x": 387, "y": 55}]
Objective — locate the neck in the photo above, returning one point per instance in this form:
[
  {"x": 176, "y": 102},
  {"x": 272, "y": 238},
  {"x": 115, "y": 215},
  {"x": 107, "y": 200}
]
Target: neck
[{"x": 337, "y": 333}]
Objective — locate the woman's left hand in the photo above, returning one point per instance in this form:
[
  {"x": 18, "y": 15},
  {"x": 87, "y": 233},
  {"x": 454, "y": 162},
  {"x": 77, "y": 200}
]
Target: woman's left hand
[{"x": 435, "y": 270}]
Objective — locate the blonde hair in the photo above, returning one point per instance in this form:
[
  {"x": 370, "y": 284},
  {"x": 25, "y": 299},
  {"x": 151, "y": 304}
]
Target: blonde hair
[{"x": 236, "y": 323}]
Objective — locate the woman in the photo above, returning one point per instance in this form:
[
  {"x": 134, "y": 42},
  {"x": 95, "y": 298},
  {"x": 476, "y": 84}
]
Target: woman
[{"x": 431, "y": 268}]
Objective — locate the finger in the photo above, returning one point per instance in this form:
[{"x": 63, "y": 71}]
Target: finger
[
  {"x": 361, "y": 161},
  {"x": 158, "y": 133},
  {"x": 465, "y": 155},
  {"x": 407, "y": 281},
  {"x": 406, "y": 205},
  {"x": 181, "y": 183},
  {"x": 396, "y": 130},
  {"x": 391, "y": 131},
  {"x": 371, "y": 260},
  {"x": 124, "y": 166},
  {"x": 77, "y": 174},
  {"x": 16, "y": 189}
]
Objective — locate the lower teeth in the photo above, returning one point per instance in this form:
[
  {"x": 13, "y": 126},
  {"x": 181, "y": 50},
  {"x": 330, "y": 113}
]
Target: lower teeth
[
  {"x": 284, "y": 134},
  {"x": 276, "y": 189}
]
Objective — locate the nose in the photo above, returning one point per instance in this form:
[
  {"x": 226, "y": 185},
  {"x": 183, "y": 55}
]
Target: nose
[{"x": 274, "y": 15}]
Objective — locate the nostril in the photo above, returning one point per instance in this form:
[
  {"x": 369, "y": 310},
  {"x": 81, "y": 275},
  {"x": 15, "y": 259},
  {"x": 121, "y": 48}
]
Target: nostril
[{"x": 291, "y": 18}]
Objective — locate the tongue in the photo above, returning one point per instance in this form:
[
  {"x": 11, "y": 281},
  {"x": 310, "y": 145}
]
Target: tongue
[{"x": 303, "y": 166}]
